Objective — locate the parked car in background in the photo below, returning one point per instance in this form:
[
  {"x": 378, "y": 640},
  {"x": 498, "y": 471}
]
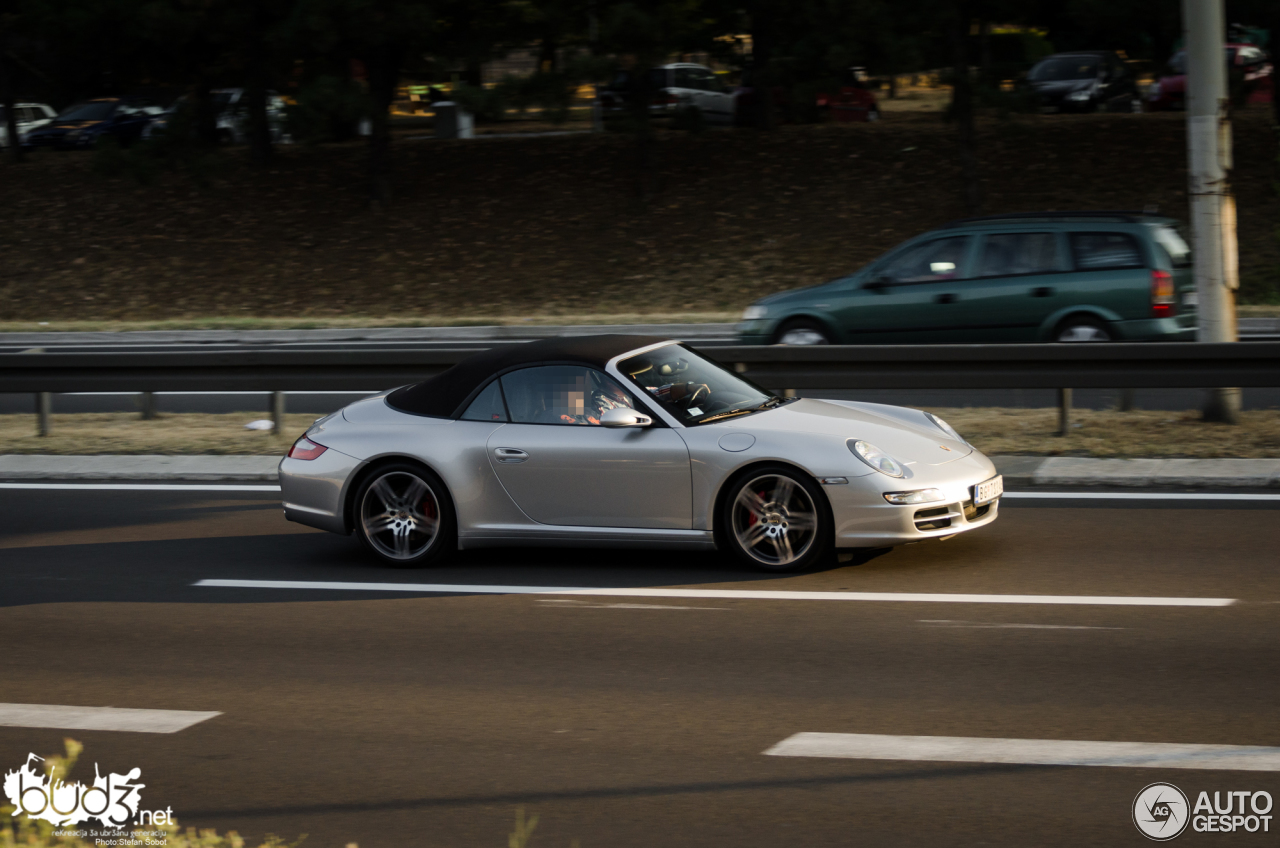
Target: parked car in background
[
  {"x": 1037, "y": 277},
  {"x": 82, "y": 125},
  {"x": 232, "y": 109},
  {"x": 852, "y": 102},
  {"x": 673, "y": 88},
  {"x": 29, "y": 116},
  {"x": 1249, "y": 66},
  {"x": 1084, "y": 81}
]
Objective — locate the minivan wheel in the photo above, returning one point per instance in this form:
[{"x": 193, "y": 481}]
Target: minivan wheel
[
  {"x": 803, "y": 332},
  {"x": 1083, "y": 330},
  {"x": 404, "y": 517}
]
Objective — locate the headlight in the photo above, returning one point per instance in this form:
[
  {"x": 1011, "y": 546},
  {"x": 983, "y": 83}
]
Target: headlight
[
  {"x": 920, "y": 496},
  {"x": 755, "y": 313},
  {"x": 1080, "y": 96},
  {"x": 945, "y": 427},
  {"x": 876, "y": 458}
]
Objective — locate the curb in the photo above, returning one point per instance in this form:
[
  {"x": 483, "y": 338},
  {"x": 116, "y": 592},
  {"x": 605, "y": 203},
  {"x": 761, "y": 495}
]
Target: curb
[{"x": 1019, "y": 471}]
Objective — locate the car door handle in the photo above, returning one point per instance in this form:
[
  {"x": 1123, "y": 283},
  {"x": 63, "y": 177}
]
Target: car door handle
[
  {"x": 945, "y": 298},
  {"x": 510, "y": 455},
  {"x": 1042, "y": 291}
]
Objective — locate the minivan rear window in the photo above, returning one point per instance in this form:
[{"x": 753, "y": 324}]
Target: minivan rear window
[
  {"x": 1174, "y": 245},
  {"x": 1100, "y": 251}
]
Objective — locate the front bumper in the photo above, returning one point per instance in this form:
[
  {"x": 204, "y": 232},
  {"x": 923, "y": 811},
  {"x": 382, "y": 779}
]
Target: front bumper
[{"x": 864, "y": 519}]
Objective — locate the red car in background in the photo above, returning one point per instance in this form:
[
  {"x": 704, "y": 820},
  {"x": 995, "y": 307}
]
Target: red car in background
[
  {"x": 851, "y": 102},
  {"x": 1248, "y": 64}
]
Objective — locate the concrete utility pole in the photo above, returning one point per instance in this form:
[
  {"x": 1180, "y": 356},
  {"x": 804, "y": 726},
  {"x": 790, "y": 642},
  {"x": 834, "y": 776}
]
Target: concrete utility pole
[{"x": 1213, "y": 209}]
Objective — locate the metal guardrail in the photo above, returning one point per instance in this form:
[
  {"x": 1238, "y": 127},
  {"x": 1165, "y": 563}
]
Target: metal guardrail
[
  {"x": 1160, "y": 365},
  {"x": 1045, "y": 366}
]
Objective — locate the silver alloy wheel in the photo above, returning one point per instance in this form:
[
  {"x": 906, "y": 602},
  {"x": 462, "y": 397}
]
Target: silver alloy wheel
[
  {"x": 774, "y": 520},
  {"x": 1084, "y": 333},
  {"x": 400, "y": 515},
  {"x": 802, "y": 336}
]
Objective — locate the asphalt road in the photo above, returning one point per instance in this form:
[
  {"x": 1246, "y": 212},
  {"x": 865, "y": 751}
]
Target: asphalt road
[{"x": 394, "y": 719}]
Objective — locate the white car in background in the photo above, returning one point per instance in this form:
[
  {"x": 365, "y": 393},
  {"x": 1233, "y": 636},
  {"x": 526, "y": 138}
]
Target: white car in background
[
  {"x": 681, "y": 86},
  {"x": 29, "y": 115}
]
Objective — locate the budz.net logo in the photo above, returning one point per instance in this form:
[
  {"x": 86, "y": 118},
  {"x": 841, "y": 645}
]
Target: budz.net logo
[{"x": 112, "y": 800}]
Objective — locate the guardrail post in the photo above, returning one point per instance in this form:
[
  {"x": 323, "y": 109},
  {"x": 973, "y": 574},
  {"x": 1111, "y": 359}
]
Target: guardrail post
[
  {"x": 44, "y": 408},
  {"x": 1064, "y": 411},
  {"x": 277, "y": 411},
  {"x": 147, "y": 400},
  {"x": 1127, "y": 399}
]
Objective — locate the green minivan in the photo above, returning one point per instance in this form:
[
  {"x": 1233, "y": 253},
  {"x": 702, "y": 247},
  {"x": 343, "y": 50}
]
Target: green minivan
[{"x": 1031, "y": 277}]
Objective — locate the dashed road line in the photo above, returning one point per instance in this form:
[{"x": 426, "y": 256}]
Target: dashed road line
[
  {"x": 1044, "y": 752},
  {"x": 100, "y": 718}
]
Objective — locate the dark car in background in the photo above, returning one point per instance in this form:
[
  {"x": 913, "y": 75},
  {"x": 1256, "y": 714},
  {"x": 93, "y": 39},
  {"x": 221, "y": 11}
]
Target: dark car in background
[
  {"x": 1249, "y": 67},
  {"x": 82, "y": 125},
  {"x": 1084, "y": 81},
  {"x": 1033, "y": 277},
  {"x": 681, "y": 87}
]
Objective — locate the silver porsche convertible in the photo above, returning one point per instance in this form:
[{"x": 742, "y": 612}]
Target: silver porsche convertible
[{"x": 629, "y": 441}]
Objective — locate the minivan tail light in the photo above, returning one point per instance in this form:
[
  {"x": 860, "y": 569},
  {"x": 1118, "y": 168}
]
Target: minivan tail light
[
  {"x": 304, "y": 448},
  {"x": 665, "y": 98},
  {"x": 1163, "y": 300}
]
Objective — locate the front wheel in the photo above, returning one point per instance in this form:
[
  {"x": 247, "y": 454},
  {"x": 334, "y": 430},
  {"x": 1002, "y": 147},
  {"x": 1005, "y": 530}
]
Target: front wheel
[
  {"x": 803, "y": 332},
  {"x": 403, "y": 515},
  {"x": 776, "y": 519}
]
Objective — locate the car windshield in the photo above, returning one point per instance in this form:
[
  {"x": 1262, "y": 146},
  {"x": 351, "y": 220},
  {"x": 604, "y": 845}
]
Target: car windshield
[
  {"x": 1064, "y": 68},
  {"x": 94, "y": 110},
  {"x": 693, "y": 389}
]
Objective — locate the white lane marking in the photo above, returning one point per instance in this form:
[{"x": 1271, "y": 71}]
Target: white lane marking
[
  {"x": 567, "y": 603},
  {"x": 144, "y": 487},
  {"x": 100, "y": 718},
  {"x": 1142, "y": 496},
  {"x": 981, "y": 625},
  {"x": 1045, "y": 752},
  {"x": 743, "y": 594}
]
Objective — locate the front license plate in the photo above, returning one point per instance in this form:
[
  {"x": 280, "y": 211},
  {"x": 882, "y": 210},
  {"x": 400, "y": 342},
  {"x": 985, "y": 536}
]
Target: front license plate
[{"x": 989, "y": 490}]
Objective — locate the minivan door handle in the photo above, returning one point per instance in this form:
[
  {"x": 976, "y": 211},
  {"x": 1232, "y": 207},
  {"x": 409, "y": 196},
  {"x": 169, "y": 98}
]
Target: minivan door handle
[
  {"x": 1042, "y": 291},
  {"x": 947, "y": 297},
  {"x": 510, "y": 455}
]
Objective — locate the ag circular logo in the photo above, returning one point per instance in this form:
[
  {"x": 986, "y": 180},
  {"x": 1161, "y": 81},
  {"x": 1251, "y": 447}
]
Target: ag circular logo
[{"x": 1161, "y": 811}]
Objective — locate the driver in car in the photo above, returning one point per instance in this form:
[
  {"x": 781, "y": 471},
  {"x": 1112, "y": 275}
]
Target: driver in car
[{"x": 579, "y": 411}]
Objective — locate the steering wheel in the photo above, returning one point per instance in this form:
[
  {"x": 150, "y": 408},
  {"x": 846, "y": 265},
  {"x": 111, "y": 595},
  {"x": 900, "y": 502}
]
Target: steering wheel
[{"x": 702, "y": 391}]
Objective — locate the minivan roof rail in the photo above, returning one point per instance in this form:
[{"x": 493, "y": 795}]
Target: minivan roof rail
[{"x": 1118, "y": 217}]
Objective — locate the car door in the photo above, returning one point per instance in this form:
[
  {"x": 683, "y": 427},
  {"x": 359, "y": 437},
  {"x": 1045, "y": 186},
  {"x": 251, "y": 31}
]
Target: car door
[
  {"x": 1015, "y": 286},
  {"x": 1109, "y": 274},
  {"x": 910, "y": 297},
  {"x": 562, "y": 468},
  {"x": 713, "y": 99}
]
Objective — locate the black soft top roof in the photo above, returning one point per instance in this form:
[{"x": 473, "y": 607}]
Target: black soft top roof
[{"x": 443, "y": 395}]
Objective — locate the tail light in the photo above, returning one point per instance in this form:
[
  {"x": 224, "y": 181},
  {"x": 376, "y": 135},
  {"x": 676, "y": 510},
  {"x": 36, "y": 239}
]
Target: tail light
[
  {"x": 665, "y": 98},
  {"x": 1164, "y": 302},
  {"x": 304, "y": 448}
]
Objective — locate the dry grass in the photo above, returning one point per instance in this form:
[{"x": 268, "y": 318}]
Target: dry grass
[
  {"x": 125, "y": 433},
  {"x": 994, "y": 431},
  {"x": 1107, "y": 433}
]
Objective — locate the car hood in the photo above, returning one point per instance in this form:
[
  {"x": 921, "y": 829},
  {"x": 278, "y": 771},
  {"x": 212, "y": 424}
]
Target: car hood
[
  {"x": 904, "y": 433},
  {"x": 794, "y": 294}
]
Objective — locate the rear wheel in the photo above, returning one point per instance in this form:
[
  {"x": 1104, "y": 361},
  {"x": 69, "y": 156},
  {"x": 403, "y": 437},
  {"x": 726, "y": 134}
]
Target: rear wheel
[
  {"x": 803, "y": 332},
  {"x": 776, "y": 519},
  {"x": 403, "y": 515},
  {"x": 1083, "y": 329}
]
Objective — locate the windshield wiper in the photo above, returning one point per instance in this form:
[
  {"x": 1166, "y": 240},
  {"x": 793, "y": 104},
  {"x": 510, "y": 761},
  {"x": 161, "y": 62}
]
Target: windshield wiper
[{"x": 771, "y": 403}]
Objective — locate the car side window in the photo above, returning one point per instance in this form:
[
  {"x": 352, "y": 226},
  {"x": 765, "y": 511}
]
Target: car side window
[
  {"x": 685, "y": 78},
  {"x": 934, "y": 261},
  {"x": 1100, "y": 251},
  {"x": 706, "y": 80},
  {"x": 1014, "y": 254},
  {"x": 572, "y": 395},
  {"x": 488, "y": 405}
]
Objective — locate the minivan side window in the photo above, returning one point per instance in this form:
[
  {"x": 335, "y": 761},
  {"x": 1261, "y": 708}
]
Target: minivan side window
[
  {"x": 1174, "y": 245},
  {"x": 934, "y": 261},
  {"x": 1101, "y": 251},
  {"x": 1014, "y": 254}
]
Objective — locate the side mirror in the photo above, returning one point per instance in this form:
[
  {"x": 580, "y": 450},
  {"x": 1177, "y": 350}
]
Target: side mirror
[
  {"x": 622, "y": 417},
  {"x": 877, "y": 284}
]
